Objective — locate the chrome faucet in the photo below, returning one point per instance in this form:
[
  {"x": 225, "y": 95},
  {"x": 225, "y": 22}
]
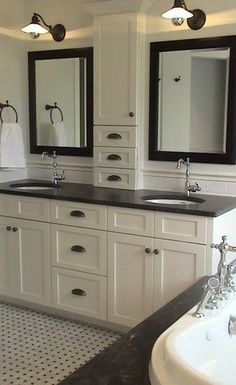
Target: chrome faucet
[
  {"x": 188, "y": 186},
  {"x": 56, "y": 176},
  {"x": 222, "y": 283}
]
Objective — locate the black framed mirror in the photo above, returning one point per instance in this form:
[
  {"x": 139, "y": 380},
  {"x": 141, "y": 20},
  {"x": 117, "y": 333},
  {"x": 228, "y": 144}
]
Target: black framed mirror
[
  {"x": 192, "y": 105},
  {"x": 61, "y": 101}
]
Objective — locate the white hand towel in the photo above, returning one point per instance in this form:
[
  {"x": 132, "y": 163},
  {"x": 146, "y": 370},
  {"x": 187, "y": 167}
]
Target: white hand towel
[
  {"x": 11, "y": 146},
  {"x": 57, "y": 135}
]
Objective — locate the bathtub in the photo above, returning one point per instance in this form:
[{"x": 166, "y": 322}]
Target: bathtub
[{"x": 196, "y": 351}]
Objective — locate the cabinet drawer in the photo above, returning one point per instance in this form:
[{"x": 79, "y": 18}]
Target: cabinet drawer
[
  {"x": 180, "y": 227},
  {"x": 132, "y": 221},
  {"x": 115, "y": 136},
  {"x": 89, "y": 298},
  {"x": 79, "y": 249},
  {"x": 25, "y": 207},
  {"x": 79, "y": 214},
  {"x": 115, "y": 178},
  {"x": 115, "y": 157}
]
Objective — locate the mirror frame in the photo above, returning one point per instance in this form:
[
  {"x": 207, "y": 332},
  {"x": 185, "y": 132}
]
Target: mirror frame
[
  {"x": 33, "y": 56},
  {"x": 229, "y": 156}
]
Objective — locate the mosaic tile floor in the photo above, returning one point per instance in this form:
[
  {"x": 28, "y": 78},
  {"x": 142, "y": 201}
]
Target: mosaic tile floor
[{"x": 38, "y": 349}]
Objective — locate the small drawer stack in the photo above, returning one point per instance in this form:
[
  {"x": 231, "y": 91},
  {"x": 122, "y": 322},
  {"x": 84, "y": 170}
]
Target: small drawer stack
[
  {"x": 79, "y": 258},
  {"x": 115, "y": 157}
]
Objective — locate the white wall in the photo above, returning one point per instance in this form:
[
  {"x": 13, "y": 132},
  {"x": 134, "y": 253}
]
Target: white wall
[
  {"x": 221, "y": 20},
  {"x": 13, "y": 74}
]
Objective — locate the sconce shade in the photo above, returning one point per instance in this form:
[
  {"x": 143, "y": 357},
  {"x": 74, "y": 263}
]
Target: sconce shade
[
  {"x": 35, "y": 29},
  {"x": 178, "y": 11},
  {"x": 34, "y": 26}
]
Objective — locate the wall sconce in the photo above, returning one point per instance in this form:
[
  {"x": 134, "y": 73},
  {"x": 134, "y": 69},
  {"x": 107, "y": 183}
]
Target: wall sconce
[
  {"x": 179, "y": 12},
  {"x": 35, "y": 29}
]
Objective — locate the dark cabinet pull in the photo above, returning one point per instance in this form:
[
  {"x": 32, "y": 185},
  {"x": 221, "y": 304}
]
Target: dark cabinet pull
[
  {"x": 114, "y": 178},
  {"x": 113, "y": 157},
  {"x": 156, "y": 251},
  {"x": 114, "y": 136},
  {"x": 8, "y": 228},
  {"x": 78, "y": 249},
  {"x": 147, "y": 250},
  {"x": 14, "y": 229},
  {"x": 131, "y": 114},
  {"x": 77, "y": 213},
  {"x": 78, "y": 292}
]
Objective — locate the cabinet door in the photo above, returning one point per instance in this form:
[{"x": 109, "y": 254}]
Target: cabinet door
[
  {"x": 32, "y": 256},
  {"x": 115, "y": 49},
  {"x": 130, "y": 278},
  {"x": 9, "y": 268},
  {"x": 176, "y": 267}
]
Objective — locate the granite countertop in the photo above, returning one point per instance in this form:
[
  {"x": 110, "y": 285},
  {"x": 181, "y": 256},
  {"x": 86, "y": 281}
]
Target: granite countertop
[
  {"x": 126, "y": 361},
  {"x": 211, "y": 206}
]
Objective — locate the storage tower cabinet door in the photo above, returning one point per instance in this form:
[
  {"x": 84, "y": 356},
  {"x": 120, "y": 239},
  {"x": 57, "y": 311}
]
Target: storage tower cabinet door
[{"x": 115, "y": 83}]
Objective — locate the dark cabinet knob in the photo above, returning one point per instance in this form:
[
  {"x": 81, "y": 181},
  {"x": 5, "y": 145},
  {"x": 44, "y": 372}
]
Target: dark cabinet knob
[
  {"x": 114, "y": 135},
  {"x": 131, "y": 114},
  {"x": 156, "y": 251},
  {"x": 79, "y": 292},
  {"x": 114, "y": 178},
  {"x": 113, "y": 157},
  {"x": 77, "y": 213},
  {"x": 78, "y": 249},
  {"x": 14, "y": 229},
  {"x": 8, "y": 228},
  {"x": 148, "y": 250}
]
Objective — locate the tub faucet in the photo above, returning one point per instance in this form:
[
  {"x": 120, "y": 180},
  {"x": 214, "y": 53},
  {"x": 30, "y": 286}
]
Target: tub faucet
[
  {"x": 209, "y": 297},
  {"x": 188, "y": 186}
]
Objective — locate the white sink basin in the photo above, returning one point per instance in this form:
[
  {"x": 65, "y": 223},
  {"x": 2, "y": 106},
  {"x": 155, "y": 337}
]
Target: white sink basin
[
  {"x": 172, "y": 200},
  {"x": 34, "y": 186},
  {"x": 196, "y": 351},
  {"x": 162, "y": 201}
]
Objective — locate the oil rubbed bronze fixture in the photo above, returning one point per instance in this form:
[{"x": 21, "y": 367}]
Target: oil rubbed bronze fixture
[
  {"x": 35, "y": 29},
  {"x": 50, "y": 108},
  {"x": 196, "y": 18}
]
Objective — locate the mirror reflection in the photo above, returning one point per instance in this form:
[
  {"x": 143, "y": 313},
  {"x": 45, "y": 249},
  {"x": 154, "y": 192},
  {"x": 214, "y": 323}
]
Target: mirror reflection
[
  {"x": 192, "y": 100},
  {"x": 61, "y": 101},
  {"x": 193, "y": 93}
]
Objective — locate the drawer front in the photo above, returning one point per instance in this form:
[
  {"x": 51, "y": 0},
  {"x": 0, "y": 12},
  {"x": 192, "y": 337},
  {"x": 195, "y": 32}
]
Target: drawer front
[
  {"x": 79, "y": 293},
  {"x": 115, "y": 157},
  {"x": 115, "y": 136},
  {"x": 132, "y": 221},
  {"x": 79, "y": 214},
  {"x": 115, "y": 178},
  {"x": 25, "y": 207},
  {"x": 79, "y": 249},
  {"x": 180, "y": 227}
]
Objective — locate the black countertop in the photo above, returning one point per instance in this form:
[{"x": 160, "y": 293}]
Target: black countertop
[
  {"x": 211, "y": 206},
  {"x": 126, "y": 361}
]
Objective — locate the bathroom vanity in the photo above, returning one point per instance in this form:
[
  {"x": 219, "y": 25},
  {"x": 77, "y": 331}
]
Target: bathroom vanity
[{"x": 104, "y": 255}]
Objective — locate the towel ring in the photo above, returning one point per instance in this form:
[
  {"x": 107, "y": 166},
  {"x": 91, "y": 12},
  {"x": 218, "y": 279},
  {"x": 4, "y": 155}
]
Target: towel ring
[
  {"x": 2, "y": 106},
  {"x": 50, "y": 108}
]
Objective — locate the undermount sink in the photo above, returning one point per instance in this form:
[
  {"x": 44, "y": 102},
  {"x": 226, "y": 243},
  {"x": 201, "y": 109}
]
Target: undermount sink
[
  {"x": 34, "y": 186},
  {"x": 173, "y": 200},
  {"x": 196, "y": 351}
]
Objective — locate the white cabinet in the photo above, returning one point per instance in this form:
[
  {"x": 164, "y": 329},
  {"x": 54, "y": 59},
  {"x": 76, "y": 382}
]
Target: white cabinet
[
  {"x": 130, "y": 278},
  {"x": 116, "y": 90},
  {"x": 25, "y": 260},
  {"x": 79, "y": 258},
  {"x": 177, "y": 265},
  {"x": 115, "y": 77},
  {"x": 145, "y": 272}
]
